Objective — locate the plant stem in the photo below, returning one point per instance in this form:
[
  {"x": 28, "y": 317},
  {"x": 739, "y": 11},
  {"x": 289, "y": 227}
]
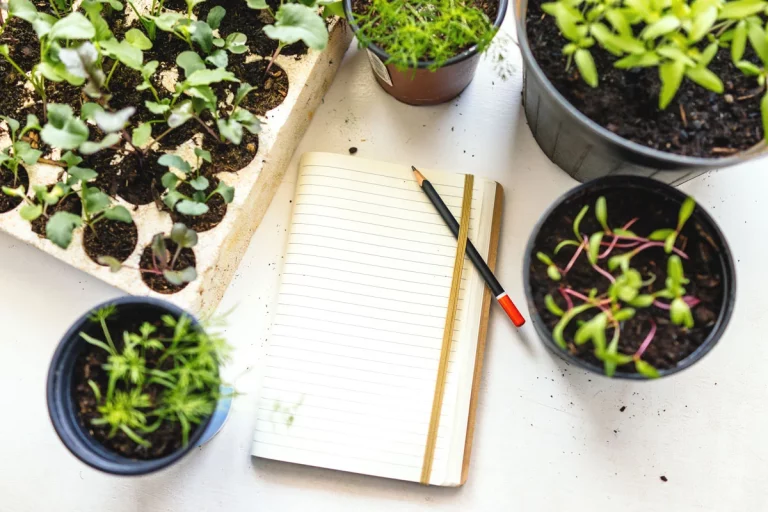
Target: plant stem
[
  {"x": 615, "y": 239},
  {"x": 691, "y": 301},
  {"x": 567, "y": 298},
  {"x": 207, "y": 128},
  {"x": 111, "y": 72},
  {"x": 175, "y": 256},
  {"x": 575, "y": 256},
  {"x": 280, "y": 47},
  {"x": 646, "y": 341},
  {"x": 106, "y": 334},
  {"x": 166, "y": 132},
  {"x": 606, "y": 274}
]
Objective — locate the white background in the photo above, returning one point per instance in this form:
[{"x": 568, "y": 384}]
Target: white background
[{"x": 548, "y": 437}]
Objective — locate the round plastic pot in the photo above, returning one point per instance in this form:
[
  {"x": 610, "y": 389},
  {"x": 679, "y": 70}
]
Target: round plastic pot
[
  {"x": 420, "y": 86},
  {"x": 63, "y": 409},
  {"x": 665, "y": 193},
  {"x": 586, "y": 150}
]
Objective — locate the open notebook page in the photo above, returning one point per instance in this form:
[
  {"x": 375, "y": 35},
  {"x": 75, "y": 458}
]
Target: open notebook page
[{"x": 355, "y": 341}]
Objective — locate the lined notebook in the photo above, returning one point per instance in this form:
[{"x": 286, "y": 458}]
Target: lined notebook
[{"x": 357, "y": 334}]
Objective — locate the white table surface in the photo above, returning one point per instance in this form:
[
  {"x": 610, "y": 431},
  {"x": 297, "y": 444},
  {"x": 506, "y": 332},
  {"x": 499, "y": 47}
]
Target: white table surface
[{"x": 549, "y": 437}]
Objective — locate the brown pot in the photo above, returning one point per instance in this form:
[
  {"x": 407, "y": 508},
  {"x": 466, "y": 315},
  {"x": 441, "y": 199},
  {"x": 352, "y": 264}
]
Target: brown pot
[{"x": 420, "y": 86}]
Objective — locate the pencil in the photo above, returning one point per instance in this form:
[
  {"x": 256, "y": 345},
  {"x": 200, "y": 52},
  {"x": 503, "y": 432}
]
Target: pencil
[{"x": 501, "y": 296}]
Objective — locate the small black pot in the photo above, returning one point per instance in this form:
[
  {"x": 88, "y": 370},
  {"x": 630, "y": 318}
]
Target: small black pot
[
  {"x": 665, "y": 193},
  {"x": 61, "y": 404},
  {"x": 586, "y": 150},
  {"x": 420, "y": 85}
]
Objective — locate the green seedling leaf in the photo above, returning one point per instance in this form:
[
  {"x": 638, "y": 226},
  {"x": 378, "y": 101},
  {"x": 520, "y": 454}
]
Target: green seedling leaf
[
  {"x": 108, "y": 261},
  {"x": 230, "y": 130},
  {"x": 190, "y": 62},
  {"x": 137, "y": 39},
  {"x": 671, "y": 75},
  {"x": 646, "y": 369},
  {"x": 552, "y": 306},
  {"x": 242, "y": 92},
  {"x": 202, "y": 35},
  {"x": 63, "y": 130},
  {"x": 664, "y": 26},
  {"x": 296, "y": 22},
  {"x": 119, "y": 214},
  {"x": 15, "y": 192},
  {"x": 112, "y": 122},
  {"x": 642, "y": 301},
  {"x": 141, "y": 134},
  {"x": 593, "y": 250},
  {"x": 60, "y": 227},
  {"x": 702, "y": 23},
  {"x": 203, "y": 155},
  {"x": 157, "y": 108},
  {"x": 660, "y": 234},
  {"x": 215, "y": 16},
  {"x": 594, "y": 328},
  {"x": 686, "y": 210},
  {"x": 81, "y": 174},
  {"x": 741, "y": 9},
  {"x": 96, "y": 201},
  {"x": 748, "y": 68},
  {"x": 74, "y": 26},
  {"x": 586, "y": 65},
  {"x": 577, "y": 222},
  {"x": 218, "y": 59},
  {"x": 675, "y": 269},
  {"x": 183, "y": 236},
  {"x": 225, "y": 191},
  {"x": 235, "y": 43},
  {"x": 124, "y": 52},
  {"x": 554, "y": 273},
  {"x": 191, "y": 208},
  {"x": 624, "y": 314},
  {"x": 179, "y": 277},
  {"x": 334, "y": 9},
  {"x": 181, "y": 114},
  {"x": 566, "y": 243},
  {"x": 199, "y": 183},
  {"x": 90, "y": 147},
  {"x": 544, "y": 258},
  {"x": 759, "y": 40},
  {"x": 619, "y": 261},
  {"x": 558, "y": 331},
  {"x": 705, "y": 78},
  {"x": 669, "y": 242},
  {"x": 625, "y": 233},
  {"x": 175, "y": 161},
  {"x": 30, "y": 212},
  {"x": 169, "y": 181},
  {"x": 680, "y": 313},
  {"x": 708, "y": 54},
  {"x": 257, "y": 4},
  {"x": 601, "y": 213},
  {"x": 210, "y": 76},
  {"x": 739, "y": 43}
]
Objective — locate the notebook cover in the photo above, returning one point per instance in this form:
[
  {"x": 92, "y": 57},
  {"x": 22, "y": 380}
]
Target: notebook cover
[{"x": 493, "y": 251}]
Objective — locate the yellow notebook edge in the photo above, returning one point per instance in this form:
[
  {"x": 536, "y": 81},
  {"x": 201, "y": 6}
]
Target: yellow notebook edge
[{"x": 493, "y": 251}]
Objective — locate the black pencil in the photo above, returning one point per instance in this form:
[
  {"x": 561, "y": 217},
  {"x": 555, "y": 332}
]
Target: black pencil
[{"x": 501, "y": 296}]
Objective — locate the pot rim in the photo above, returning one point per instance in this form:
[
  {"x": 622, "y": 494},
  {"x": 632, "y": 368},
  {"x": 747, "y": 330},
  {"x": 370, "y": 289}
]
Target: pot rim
[
  {"x": 73, "y": 435},
  {"x": 726, "y": 258},
  {"x": 384, "y": 56},
  {"x": 530, "y": 65}
]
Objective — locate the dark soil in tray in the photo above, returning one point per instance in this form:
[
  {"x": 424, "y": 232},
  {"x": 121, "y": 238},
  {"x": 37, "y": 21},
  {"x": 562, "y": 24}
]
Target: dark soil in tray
[
  {"x": 138, "y": 178},
  {"x": 696, "y": 123},
  {"x": 232, "y": 158},
  {"x": 102, "y": 163},
  {"x": 270, "y": 89},
  {"x": 216, "y": 212},
  {"x": 111, "y": 238},
  {"x": 704, "y": 268},
  {"x": 70, "y": 204},
  {"x": 156, "y": 281},
  {"x": 166, "y": 440},
  {"x": 7, "y": 179}
]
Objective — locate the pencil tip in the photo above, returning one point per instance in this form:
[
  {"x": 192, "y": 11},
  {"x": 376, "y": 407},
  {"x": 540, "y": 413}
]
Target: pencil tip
[{"x": 419, "y": 177}]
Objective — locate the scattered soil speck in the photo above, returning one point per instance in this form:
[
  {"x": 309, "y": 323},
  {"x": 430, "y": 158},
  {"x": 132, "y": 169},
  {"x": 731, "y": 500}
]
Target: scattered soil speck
[
  {"x": 352, "y": 150},
  {"x": 663, "y": 478},
  {"x": 623, "y": 408}
]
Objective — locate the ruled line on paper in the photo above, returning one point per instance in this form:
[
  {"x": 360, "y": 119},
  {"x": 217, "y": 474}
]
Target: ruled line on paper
[
  {"x": 421, "y": 212},
  {"x": 367, "y": 264},
  {"x": 357, "y": 191},
  {"x": 362, "y": 284},
  {"x": 382, "y": 175},
  {"x": 368, "y": 183},
  {"x": 372, "y": 275}
]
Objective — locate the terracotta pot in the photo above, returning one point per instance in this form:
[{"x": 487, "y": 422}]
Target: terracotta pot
[
  {"x": 586, "y": 150},
  {"x": 420, "y": 86}
]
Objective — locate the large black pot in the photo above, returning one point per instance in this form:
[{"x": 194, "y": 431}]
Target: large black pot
[
  {"x": 62, "y": 406},
  {"x": 587, "y": 193},
  {"x": 420, "y": 85},
  {"x": 586, "y": 150}
]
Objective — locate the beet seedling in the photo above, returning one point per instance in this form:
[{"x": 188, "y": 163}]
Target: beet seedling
[
  {"x": 627, "y": 291},
  {"x": 20, "y": 151},
  {"x": 175, "y": 358},
  {"x": 197, "y": 203}
]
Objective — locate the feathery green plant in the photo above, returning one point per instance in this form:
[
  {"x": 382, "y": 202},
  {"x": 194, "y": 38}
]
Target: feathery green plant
[
  {"x": 176, "y": 356},
  {"x": 416, "y": 31}
]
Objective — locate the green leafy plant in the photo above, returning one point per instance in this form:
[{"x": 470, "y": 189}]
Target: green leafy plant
[
  {"x": 424, "y": 30},
  {"x": 627, "y": 291},
  {"x": 678, "y": 37},
  {"x": 197, "y": 204},
  {"x": 164, "y": 263},
  {"x": 97, "y": 206},
  {"x": 19, "y": 151},
  {"x": 37, "y": 206},
  {"x": 296, "y": 21},
  {"x": 164, "y": 372}
]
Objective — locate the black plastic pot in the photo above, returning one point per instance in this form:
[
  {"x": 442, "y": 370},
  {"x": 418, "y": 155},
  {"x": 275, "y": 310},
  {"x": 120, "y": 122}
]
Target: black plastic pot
[
  {"x": 585, "y": 194},
  {"x": 61, "y": 402},
  {"x": 586, "y": 150},
  {"x": 420, "y": 86}
]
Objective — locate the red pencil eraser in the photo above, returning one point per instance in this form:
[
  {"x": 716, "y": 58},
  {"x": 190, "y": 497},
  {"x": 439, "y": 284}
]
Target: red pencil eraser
[{"x": 507, "y": 305}]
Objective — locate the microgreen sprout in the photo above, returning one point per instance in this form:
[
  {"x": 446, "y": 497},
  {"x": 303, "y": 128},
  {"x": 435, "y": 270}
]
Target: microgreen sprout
[
  {"x": 164, "y": 372},
  {"x": 415, "y": 31},
  {"x": 165, "y": 262},
  {"x": 295, "y": 21},
  {"x": 679, "y": 37},
  {"x": 19, "y": 151},
  {"x": 197, "y": 203},
  {"x": 627, "y": 292}
]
